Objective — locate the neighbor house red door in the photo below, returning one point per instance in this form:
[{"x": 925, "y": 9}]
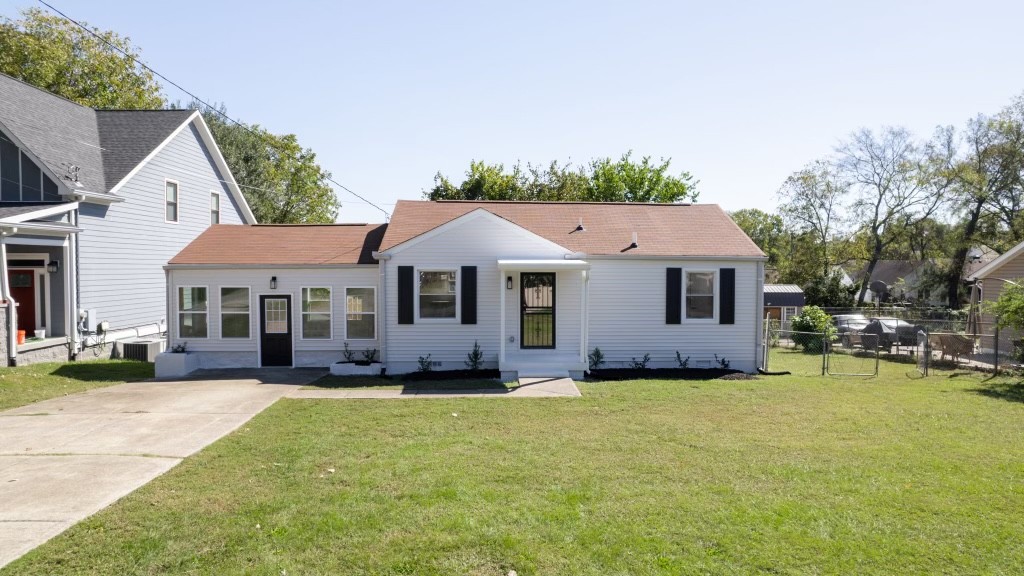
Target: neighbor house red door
[{"x": 23, "y": 290}]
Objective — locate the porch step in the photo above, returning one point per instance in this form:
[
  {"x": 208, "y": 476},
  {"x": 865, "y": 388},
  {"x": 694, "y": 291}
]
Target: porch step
[{"x": 542, "y": 372}]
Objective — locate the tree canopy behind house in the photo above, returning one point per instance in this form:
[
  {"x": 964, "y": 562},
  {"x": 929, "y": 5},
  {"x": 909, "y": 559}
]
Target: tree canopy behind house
[
  {"x": 600, "y": 180},
  {"x": 280, "y": 179}
]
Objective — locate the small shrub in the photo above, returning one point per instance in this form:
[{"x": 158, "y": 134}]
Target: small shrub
[
  {"x": 180, "y": 348},
  {"x": 640, "y": 364},
  {"x": 816, "y": 325},
  {"x": 722, "y": 362},
  {"x": 425, "y": 364},
  {"x": 595, "y": 359},
  {"x": 475, "y": 359},
  {"x": 369, "y": 354},
  {"x": 349, "y": 356},
  {"x": 683, "y": 363}
]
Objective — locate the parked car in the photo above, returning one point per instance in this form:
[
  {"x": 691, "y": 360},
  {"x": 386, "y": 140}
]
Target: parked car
[
  {"x": 892, "y": 331},
  {"x": 848, "y": 326}
]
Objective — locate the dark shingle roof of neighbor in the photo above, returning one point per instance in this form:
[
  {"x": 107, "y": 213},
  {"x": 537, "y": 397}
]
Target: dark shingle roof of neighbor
[{"x": 104, "y": 144}]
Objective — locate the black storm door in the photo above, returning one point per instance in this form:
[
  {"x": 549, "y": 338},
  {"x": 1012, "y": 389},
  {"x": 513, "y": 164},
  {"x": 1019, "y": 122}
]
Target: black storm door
[
  {"x": 275, "y": 331},
  {"x": 537, "y": 316}
]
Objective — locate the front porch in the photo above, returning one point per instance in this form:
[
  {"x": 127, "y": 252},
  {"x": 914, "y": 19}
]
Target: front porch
[
  {"x": 543, "y": 307},
  {"x": 37, "y": 282}
]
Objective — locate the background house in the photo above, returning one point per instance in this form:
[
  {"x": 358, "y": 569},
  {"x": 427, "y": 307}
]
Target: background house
[
  {"x": 782, "y": 301},
  {"x": 92, "y": 205}
]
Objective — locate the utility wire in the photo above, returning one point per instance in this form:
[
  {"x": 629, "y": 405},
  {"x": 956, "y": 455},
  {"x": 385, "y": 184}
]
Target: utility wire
[{"x": 194, "y": 97}]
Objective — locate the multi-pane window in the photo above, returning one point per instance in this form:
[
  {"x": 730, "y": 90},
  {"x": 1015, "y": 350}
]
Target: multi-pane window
[
  {"x": 360, "y": 313},
  {"x": 437, "y": 294},
  {"x": 171, "y": 201},
  {"x": 234, "y": 312},
  {"x": 316, "y": 313},
  {"x": 214, "y": 208},
  {"x": 21, "y": 179},
  {"x": 275, "y": 312},
  {"x": 192, "y": 312},
  {"x": 700, "y": 294}
]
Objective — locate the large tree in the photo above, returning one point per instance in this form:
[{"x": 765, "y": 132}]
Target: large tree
[
  {"x": 281, "y": 180},
  {"x": 56, "y": 55},
  {"x": 766, "y": 230},
  {"x": 812, "y": 202},
  {"x": 601, "y": 180},
  {"x": 894, "y": 184}
]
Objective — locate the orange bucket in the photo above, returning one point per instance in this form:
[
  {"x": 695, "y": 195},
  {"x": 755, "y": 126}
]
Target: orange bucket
[{"x": 21, "y": 337}]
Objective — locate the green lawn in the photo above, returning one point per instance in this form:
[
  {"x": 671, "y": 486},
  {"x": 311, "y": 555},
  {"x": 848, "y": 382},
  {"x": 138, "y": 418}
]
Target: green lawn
[
  {"x": 786, "y": 475},
  {"x": 27, "y": 384}
]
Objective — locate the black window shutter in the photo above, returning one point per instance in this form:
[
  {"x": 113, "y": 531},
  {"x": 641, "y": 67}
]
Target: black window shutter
[
  {"x": 674, "y": 296},
  {"x": 468, "y": 294},
  {"x": 406, "y": 297},
  {"x": 727, "y": 292}
]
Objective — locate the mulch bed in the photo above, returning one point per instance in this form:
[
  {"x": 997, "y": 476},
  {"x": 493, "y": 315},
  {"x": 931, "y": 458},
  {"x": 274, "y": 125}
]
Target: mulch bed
[
  {"x": 451, "y": 375},
  {"x": 662, "y": 373}
]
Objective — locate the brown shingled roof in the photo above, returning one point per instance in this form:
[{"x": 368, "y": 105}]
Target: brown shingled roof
[
  {"x": 663, "y": 229},
  {"x": 274, "y": 244}
]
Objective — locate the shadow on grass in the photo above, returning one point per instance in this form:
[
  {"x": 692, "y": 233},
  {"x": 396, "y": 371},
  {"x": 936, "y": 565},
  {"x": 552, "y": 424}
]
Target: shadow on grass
[
  {"x": 112, "y": 371},
  {"x": 357, "y": 382},
  {"x": 1009, "y": 391}
]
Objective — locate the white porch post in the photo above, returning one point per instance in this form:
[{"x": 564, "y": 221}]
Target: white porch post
[
  {"x": 584, "y": 314},
  {"x": 501, "y": 336},
  {"x": 12, "y": 306}
]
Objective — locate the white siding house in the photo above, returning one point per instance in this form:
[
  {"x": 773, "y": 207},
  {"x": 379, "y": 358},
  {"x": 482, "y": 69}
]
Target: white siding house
[{"x": 538, "y": 286}]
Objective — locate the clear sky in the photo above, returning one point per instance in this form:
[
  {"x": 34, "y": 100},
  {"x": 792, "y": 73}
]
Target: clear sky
[{"x": 741, "y": 94}]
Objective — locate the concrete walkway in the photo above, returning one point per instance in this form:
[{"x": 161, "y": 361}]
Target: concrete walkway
[
  {"x": 528, "y": 388},
  {"x": 64, "y": 459}
]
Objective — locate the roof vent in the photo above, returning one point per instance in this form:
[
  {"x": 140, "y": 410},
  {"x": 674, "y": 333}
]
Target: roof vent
[
  {"x": 634, "y": 244},
  {"x": 71, "y": 172},
  {"x": 579, "y": 227}
]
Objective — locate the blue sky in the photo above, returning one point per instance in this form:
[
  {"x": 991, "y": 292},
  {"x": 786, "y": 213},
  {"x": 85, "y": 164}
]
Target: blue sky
[{"x": 741, "y": 94}]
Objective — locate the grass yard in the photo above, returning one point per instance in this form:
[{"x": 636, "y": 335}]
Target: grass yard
[
  {"x": 786, "y": 475},
  {"x": 27, "y": 384}
]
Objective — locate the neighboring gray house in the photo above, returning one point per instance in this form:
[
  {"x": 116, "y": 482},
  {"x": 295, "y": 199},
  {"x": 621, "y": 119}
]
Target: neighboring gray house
[{"x": 93, "y": 203}]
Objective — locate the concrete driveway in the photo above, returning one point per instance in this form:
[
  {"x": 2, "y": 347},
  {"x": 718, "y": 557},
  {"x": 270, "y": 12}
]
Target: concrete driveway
[{"x": 64, "y": 459}]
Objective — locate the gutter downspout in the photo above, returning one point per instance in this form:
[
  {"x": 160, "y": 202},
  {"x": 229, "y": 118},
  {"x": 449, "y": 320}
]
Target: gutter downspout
[
  {"x": 12, "y": 306},
  {"x": 382, "y": 300}
]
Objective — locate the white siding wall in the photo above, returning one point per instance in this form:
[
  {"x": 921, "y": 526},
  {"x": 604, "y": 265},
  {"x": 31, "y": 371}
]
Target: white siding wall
[
  {"x": 124, "y": 246},
  {"x": 290, "y": 281},
  {"x": 476, "y": 241},
  {"x": 627, "y": 315}
]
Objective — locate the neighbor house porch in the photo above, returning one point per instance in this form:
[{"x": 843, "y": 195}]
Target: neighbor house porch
[
  {"x": 37, "y": 281},
  {"x": 543, "y": 322}
]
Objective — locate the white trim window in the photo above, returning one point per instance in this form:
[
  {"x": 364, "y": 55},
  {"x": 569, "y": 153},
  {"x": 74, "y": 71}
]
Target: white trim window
[
  {"x": 316, "y": 313},
  {"x": 360, "y": 313},
  {"x": 170, "y": 201},
  {"x": 214, "y": 208},
  {"x": 438, "y": 294},
  {"x": 234, "y": 312},
  {"x": 193, "y": 309},
  {"x": 699, "y": 301}
]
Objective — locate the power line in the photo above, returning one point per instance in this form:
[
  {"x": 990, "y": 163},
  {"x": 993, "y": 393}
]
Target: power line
[{"x": 194, "y": 97}]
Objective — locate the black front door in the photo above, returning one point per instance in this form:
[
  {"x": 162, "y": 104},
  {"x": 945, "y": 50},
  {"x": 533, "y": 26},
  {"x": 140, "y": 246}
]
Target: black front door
[
  {"x": 537, "y": 310},
  {"x": 275, "y": 331}
]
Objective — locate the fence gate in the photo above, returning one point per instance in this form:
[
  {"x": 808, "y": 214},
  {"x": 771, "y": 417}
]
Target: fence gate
[
  {"x": 924, "y": 352},
  {"x": 857, "y": 356}
]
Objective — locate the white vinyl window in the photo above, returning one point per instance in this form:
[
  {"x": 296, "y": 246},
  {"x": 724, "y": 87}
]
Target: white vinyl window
[
  {"x": 214, "y": 208},
  {"x": 437, "y": 295},
  {"x": 170, "y": 201},
  {"x": 360, "y": 313},
  {"x": 192, "y": 312},
  {"x": 700, "y": 295},
  {"x": 234, "y": 312},
  {"x": 316, "y": 313}
]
